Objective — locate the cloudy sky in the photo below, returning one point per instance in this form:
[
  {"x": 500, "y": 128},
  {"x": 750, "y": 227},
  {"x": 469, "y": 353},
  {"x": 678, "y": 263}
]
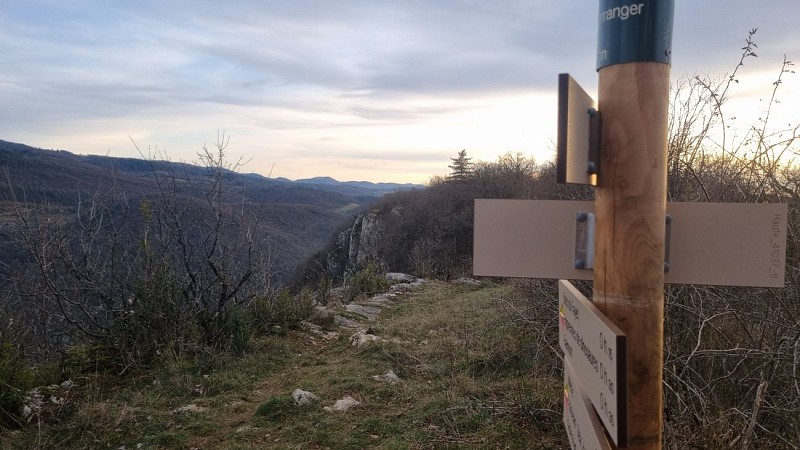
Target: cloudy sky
[{"x": 374, "y": 90}]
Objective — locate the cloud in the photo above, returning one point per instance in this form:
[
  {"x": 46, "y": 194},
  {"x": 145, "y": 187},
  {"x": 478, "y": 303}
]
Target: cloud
[{"x": 346, "y": 79}]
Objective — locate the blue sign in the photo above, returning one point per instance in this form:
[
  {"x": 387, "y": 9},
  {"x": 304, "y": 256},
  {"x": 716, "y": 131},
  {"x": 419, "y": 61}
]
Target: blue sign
[{"x": 634, "y": 31}]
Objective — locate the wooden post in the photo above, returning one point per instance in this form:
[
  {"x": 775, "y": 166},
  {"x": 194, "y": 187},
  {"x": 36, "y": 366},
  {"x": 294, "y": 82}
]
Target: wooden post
[{"x": 630, "y": 207}]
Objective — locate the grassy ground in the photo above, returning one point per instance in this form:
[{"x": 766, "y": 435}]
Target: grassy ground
[{"x": 469, "y": 380}]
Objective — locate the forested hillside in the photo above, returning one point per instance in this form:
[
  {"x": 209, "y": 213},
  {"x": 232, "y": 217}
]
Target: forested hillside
[{"x": 297, "y": 217}]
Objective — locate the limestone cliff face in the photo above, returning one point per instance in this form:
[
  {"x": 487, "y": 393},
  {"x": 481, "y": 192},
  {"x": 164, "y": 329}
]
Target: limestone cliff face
[{"x": 356, "y": 245}]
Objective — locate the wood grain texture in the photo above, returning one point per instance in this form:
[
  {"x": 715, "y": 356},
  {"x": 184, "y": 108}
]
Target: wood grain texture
[{"x": 630, "y": 207}]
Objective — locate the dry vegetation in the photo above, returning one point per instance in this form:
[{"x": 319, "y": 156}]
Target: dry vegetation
[{"x": 470, "y": 378}]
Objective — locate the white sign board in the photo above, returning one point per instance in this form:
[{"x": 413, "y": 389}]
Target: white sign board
[
  {"x": 584, "y": 430},
  {"x": 596, "y": 349},
  {"x": 727, "y": 244}
]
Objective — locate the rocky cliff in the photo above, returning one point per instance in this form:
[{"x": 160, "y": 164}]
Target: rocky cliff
[{"x": 356, "y": 246}]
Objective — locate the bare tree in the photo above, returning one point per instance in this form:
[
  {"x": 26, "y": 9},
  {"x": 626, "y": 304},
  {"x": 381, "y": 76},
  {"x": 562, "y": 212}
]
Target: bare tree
[{"x": 140, "y": 277}]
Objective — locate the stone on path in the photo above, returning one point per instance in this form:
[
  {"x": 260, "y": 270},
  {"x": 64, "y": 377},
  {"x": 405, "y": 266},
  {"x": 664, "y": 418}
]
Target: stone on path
[
  {"x": 347, "y": 323},
  {"x": 190, "y": 409},
  {"x": 398, "y": 277},
  {"x": 303, "y": 398},
  {"x": 389, "y": 377},
  {"x": 342, "y": 405},
  {"x": 361, "y": 338},
  {"x": 370, "y": 312}
]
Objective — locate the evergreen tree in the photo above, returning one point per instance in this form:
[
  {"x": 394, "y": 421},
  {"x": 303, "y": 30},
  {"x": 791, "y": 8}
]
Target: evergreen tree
[{"x": 461, "y": 167}]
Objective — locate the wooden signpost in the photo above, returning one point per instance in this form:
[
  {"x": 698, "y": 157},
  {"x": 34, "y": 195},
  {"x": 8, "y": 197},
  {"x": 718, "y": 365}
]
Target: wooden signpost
[
  {"x": 634, "y": 48},
  {"x": 629, "y": 241},
  {"x": 596, "y": 349},
  {"x": 584, "y": 430}
]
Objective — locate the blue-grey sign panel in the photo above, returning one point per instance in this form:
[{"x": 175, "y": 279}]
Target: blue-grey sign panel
[{"x": 634, "y": 31}]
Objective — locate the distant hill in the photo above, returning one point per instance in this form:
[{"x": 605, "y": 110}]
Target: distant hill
[
  {"x": 299, "y": 216},
  {"x": 356, "y": 188},
  {"x": 429, "y": 233}
]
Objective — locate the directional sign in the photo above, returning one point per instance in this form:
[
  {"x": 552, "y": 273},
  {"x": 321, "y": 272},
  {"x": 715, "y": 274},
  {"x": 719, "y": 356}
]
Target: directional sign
[
  {"x": 584, "y": 429},
  {"x": 596, "y": 349},
  {"x": 729, "y": 244},
  {"x": 575, "y": 134}
]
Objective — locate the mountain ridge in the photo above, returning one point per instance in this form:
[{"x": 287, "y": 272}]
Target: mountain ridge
[
  {"x": 141, "y": 165},
  {"x": 299, "y": 217}
]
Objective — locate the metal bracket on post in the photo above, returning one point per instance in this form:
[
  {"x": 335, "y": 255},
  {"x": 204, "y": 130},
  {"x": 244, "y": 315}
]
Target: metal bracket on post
[
  {"x": 585, "y": 235},
  {"x": 593, "y": 165},
  {"x": 584, "y": 240}
]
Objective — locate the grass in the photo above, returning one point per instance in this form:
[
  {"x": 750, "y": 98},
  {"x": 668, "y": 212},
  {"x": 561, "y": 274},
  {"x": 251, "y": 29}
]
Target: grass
[{"x": 468, "y": 382}]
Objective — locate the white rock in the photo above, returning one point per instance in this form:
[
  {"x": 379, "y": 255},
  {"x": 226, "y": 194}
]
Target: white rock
[
  {"x": 398, "y": 277},
  {"x": 32, "y": 404},
  {"x": 342, "y": 405},
  {"x": 189, "y": 409},
  {"x": 361, "y": 338},
  {"x": 67, "y": 385},
  {"x": 389, "y": 377},
  {"x": 303, "y": 398}
]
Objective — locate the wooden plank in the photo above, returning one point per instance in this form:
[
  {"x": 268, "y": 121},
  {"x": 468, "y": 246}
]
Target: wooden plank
[
  {"x": 597, "y": 350},
  {"x": 727, "y": 244},
  {"x": 584, "y": 430}
]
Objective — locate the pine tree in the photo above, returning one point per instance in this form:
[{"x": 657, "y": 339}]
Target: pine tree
[{"x": 461, "y": 167}]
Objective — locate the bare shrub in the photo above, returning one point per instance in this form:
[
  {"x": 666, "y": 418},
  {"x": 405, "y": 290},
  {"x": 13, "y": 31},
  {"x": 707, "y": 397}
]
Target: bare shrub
[
  {"x": 140, "y": 277},
  {"x": 731, "y": 354}
]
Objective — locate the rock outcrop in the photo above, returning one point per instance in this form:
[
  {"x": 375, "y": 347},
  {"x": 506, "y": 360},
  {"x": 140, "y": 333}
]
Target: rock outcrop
[{"x": 356, "y": 245}]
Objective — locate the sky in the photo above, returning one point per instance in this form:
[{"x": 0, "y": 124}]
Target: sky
[{"x": 377, "y": 90}]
